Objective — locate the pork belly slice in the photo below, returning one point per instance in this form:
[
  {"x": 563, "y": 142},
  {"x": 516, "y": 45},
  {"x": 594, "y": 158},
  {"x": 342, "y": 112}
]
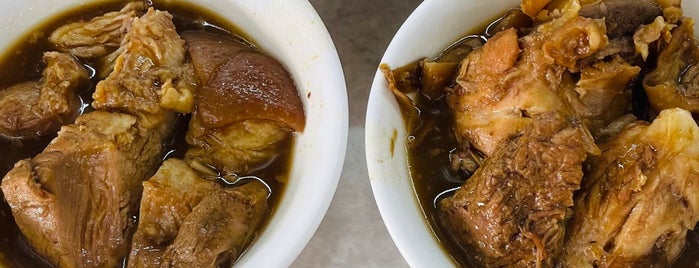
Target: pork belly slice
[
  {"x": 640, "y": 196},
  {"x": 37, "y": 108},
  {"x": 187, "y": 221},
  {"x": 513, "y": 210},
  {"x": 75, "y": 202}
]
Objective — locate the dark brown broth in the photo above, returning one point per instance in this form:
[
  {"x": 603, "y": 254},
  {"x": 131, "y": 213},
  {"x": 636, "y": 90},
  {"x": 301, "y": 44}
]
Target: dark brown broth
[
  {"x": 22, "y": 62},
  {"x": 429, "y": 164}
]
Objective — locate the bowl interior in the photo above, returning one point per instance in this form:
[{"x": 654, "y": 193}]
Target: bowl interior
[
  {"x": 292, "y": 32},
  {"x": 429, "y": 29}
]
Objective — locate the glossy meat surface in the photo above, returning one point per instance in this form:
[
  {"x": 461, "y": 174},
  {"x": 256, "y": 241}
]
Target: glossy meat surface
[
  {"x": 75, "y": 202},
  {"x": 242, "y": 83},
  {"x": 36, "y": 108},
  {"x": 177, "y": 203},
  {"x": 247, "y": 105},
  {"x": 640, "y": 196},
  {"x": 150, "y": 67},
  {"x": 675, "y": 81},
  {"x": 513, "y": 210},
  {"x": 501, "y": 86}
]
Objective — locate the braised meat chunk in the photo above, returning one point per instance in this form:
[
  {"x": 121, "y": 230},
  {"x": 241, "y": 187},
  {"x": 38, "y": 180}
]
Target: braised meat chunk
[
  {"x": 177, "y": 204},
  {"x": 513, "y": 210},
  {"x": 213, "y": 233},
  {"x": 246, "y": 107},
  {"x": 675, "y": 81},
  {"x": 37, "y": 108},
  {"x": 99, "y": 39},
  {"x": 75, "y": 201},
  {"x": 604, "y": 89},
  {"x": 500, "y": 86},
  {"x": 99, "y": 36},
  {"x": 149, "y": 71},
  {"x": 640, "y": 196}
]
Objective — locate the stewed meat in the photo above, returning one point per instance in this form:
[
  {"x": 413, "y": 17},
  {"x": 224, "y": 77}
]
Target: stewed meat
[
  {"x": 177, "y": 204},
  {"x": 639, "y": 198},
  {"x": 247, "y": 104},
  {"x": 36, "y": 108},
  {"x": 513, "y": 210}
]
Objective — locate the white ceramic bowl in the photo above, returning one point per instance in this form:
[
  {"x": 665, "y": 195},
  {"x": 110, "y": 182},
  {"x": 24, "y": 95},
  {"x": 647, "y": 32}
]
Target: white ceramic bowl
[
  {"x": 430, "y": 28},
  {"x": 292, "y": 32}
]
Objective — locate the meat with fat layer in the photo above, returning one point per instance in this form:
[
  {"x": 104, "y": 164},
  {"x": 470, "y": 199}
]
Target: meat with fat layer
[
  {"x": 513, "y": 210},
  {"x": 509, "y": 80},
  {"x": 37, "y": 108},
  {"x": 639, "y": 198},
  {"x": 247, "y": 105}
]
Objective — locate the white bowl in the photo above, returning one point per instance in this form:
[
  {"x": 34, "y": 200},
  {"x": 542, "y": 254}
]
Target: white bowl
[
  {"x": 430, "y": 28},
  {"x": 292, "y": 32}
]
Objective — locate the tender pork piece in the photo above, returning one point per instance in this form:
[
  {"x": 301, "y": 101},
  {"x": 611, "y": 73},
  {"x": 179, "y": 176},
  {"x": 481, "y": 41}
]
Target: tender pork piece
[
  {"x": 513, "y": 210},
  {"x": 98, "y": 40},
  {"x": 98, "y": 37},
  {"x": 177, "y": 203},
  {"x": 214, "y": 233},
  {"x": 247, "y": 104},
  {"x": 239, "y": 147},
  {"x": 675, "y": 81},
  {"x": 36, "y": 108},
  {"x": 639, "y": 198},
  {"x": 240, "y": 84},
  {"x": 502, "y": 86},
  {"x": 150, "y": 67},
  {"x": 76, "y": 200}
]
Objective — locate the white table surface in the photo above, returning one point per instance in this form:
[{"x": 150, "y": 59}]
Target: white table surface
[{"x": 352, "y": 233}]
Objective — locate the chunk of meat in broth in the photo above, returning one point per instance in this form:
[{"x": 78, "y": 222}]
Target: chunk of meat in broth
[
  {"x": 604, "y": 89},
  {"x": 500, "y": 88},
  {"x": 246, "y": 109},
  {"x": 675, "y": 81},
  {"x": 639, "y": 196},
  {"x": 100, "y": 38},
  {"x": 138, "y": 86},
  {"x": 37, "y": 108},
  {"x": 513, "y": 210}
]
